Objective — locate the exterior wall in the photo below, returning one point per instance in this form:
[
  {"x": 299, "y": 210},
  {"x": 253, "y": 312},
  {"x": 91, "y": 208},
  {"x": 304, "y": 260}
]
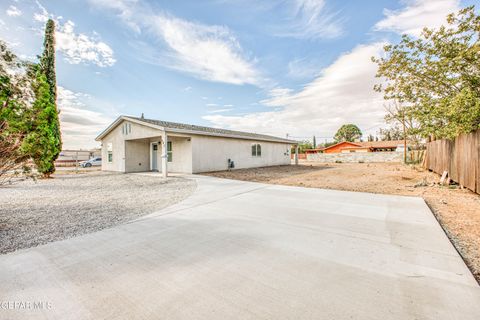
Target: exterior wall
[
  {"x": 117, "y": 138},
  {"x": 190, "y": 154},
  {"x": 356, "y": 157},
  {"x": 181, "y": 155},
  {"x": 137, "y": 156},
  {"x": 212, "y": 153},
  {"x": 348, "y": 150},
  {"x": 337, "y": 148}
]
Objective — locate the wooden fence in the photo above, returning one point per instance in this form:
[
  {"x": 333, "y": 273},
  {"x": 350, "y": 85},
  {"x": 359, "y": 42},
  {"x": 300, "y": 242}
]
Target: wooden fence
[{"x": 459, "y": 157}]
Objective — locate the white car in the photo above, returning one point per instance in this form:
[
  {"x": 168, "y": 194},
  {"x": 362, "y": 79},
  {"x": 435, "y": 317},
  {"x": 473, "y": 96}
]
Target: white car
[{"x": 92, "y": 162}]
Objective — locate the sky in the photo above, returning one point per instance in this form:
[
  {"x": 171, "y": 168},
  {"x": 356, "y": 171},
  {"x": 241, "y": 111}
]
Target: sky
[{"x": 296, "y": 67}]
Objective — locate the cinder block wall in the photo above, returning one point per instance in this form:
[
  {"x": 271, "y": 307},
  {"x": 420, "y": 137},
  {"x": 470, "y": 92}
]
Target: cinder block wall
[{"x": 352, "y": 157}]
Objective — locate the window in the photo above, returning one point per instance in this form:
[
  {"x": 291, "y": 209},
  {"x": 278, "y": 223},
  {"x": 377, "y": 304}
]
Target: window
[
  {"x": 110, "y": 152},
  {"x": 256, "y": 150},
  {"x": 169, "y": 151},
  {"x": 126, "y": 128}
]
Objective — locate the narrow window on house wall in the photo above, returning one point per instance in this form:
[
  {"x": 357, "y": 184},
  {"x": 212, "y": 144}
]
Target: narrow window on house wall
[
  {"x": 110, "y": 152},
  {"x": 129, "y": 128},
  {"x": 123, "y": 129},
  {"x": 256, "y": 150},
  {"x": 169, "y": 151}
]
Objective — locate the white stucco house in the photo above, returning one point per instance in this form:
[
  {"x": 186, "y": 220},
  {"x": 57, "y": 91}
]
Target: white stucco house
[{"x": 132, "y": 144}]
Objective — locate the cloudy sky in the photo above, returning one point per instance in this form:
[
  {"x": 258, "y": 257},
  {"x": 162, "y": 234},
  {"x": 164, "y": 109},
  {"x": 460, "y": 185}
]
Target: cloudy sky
[{"x": 300, "y": 67}]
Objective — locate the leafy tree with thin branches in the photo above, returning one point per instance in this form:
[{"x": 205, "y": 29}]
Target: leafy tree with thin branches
[{"x": 435, "y": 78}]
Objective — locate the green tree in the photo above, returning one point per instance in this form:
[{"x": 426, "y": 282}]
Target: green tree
[
  {"x": 436, "y": 78},
  {"x": 42, "y": 140},
  {"x": 304, "y": 145},
  {"x": 15, "y": 100},
  {"x": 392, "y": 133},
  {"x": 47, "y": 60},
  {"x": 47, "y": 119},
  {"x": 347, "y": 132}
]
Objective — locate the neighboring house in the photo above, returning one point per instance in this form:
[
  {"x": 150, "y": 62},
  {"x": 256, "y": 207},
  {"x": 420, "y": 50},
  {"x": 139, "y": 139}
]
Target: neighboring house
[
  {"x": 133, "y": 144},
  {"x": 337, "y": 148},
  {"x": 364, "y": 146}
]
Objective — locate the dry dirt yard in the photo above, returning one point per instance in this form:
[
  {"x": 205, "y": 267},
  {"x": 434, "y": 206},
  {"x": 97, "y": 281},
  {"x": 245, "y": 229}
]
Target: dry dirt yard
[{"x": 457, "y": 210}]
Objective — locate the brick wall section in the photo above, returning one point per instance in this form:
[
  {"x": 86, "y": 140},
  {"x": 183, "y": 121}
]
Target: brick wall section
[{"x": 355, "y": 157}]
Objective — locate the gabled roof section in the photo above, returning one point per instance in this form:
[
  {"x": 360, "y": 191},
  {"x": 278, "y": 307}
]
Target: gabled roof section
[
  {"x": 354, "y": 144},
  {"x": 194, "y": 129}
]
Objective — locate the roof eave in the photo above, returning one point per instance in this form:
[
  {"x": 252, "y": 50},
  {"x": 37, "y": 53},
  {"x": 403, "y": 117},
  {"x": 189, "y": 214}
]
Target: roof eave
[{"x": 176, "y": 130}]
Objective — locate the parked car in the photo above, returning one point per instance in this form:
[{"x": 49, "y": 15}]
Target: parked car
[{"x": 92, "y": 162}]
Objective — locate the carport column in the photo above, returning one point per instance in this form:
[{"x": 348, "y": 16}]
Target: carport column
[
  {"x": 296, "y": 154},
  {"x": 164, "y": 154}
]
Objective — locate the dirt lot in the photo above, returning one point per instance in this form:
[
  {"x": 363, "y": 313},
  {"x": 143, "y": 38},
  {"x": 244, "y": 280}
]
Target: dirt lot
[{"x": 458, "y": 210}]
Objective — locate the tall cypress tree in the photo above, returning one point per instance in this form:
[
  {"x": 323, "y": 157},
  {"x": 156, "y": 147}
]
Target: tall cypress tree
[
  {"x": 47, "y": 60},
  {"x": 43, "y": 142},
  {"x": 52, "y": 146}
]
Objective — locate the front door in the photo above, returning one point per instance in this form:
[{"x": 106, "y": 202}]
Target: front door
[{"x": 154, "y": 157}]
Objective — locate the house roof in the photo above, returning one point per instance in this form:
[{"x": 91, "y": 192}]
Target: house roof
[
  {"x": 194, "y": 129},
  {"x": 371, "y": 144},
  {"x": 357, "y": 144}
]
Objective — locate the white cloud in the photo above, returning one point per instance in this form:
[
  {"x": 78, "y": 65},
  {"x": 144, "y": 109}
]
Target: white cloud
[
  {"x": 206, "y": 51},
  {"x": 303, "y": 68},
  {"x": 311, "y": 20},
  {"x": 41, "y": 16},
  {"x": 220, "y": 110},
  {"x": 343, "y": 93},
  {"x": 79, "y": 125},
  {"x": 416, "y": 15},
  {"x": 125, "y": 9},
  {"x": 76, "y": 47},
  {"x": 13, "y": 11},
  {"x": 80, "y": 48}
]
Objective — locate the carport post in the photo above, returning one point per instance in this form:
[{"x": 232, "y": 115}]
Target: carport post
[
  {"x": 296, "y": 154},
  {"x": 164, "y": 154}
]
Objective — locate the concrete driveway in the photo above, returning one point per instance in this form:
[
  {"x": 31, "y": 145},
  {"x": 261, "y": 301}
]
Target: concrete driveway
[{"x": 239, "y": 250}]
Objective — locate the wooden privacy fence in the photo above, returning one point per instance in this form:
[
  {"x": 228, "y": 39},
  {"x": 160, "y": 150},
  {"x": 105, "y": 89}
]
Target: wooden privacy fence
[{"x": 459, "y": 157}]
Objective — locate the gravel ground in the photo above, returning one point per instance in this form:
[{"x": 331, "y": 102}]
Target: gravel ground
[
  {"x": 457, "y": 210},
  {"x": 34, "y": 213}
]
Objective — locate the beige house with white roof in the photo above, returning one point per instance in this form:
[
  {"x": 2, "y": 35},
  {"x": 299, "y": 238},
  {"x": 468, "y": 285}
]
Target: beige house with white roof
[{"x": 132, "y": 144}]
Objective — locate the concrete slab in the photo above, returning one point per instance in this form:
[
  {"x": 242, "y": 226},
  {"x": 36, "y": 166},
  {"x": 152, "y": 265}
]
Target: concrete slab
[{"x": 239, "y": 250}]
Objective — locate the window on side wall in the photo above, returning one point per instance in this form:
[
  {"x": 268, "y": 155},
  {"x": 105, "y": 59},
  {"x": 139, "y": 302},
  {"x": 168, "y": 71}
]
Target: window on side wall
[
  {"x": 169, "y": 151},
  {"x": 256, "y": 150},
  {"x": 110, "y": 152}
]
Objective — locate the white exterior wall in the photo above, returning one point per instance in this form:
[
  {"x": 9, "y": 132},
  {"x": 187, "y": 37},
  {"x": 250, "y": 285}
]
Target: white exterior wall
[
  {"x": 181, "y": 155},
  {"x": 190, "y": 153},
  {"x": 117, "y": 138},
  {"x": 138, "y": 157},
  {"x": 212, "y": 153}
]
